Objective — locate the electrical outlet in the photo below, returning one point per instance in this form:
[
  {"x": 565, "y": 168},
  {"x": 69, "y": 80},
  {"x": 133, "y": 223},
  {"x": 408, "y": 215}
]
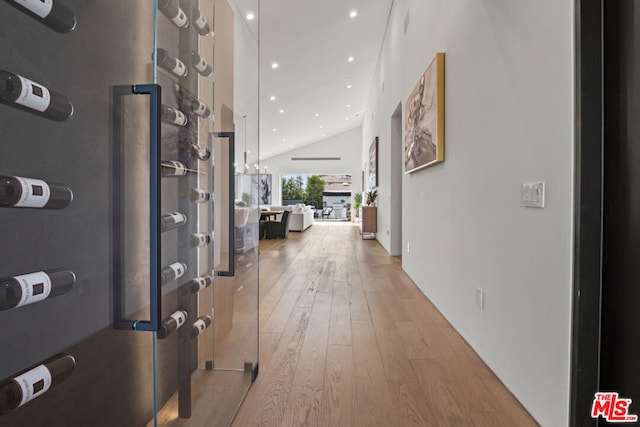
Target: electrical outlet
[
  {"x": 480, "y": 298},
  {"x": 408, "y": 248},
  {"x": 533, "y": 194}
]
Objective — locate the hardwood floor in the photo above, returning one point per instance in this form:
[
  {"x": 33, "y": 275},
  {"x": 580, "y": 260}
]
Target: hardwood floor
[{"x": 347, "y": 339}]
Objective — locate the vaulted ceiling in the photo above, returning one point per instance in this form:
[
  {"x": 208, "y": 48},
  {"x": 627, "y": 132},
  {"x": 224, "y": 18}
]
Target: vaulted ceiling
[{"x": 326, "y": 54}]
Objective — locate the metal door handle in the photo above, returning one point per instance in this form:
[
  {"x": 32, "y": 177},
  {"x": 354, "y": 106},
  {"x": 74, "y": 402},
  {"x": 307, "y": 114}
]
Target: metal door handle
[
  {"x": 232, "y": 240},
  {"x": 155, "y": 95},
  {"x": 155, "y": 302}
]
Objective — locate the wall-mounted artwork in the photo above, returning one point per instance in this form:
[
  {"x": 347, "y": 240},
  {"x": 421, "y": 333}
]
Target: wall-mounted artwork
[
  {"x": 373, "y": 164},
  {"x": 265, "y": 189},
  {"x": 424, "y": 119}
]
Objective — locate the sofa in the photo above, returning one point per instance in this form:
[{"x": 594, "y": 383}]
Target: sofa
[{"x": 301, "y": 216}]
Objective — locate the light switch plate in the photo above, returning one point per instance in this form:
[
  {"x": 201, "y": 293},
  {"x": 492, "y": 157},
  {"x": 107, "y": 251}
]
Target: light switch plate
[{"x": 533, "y": 194}]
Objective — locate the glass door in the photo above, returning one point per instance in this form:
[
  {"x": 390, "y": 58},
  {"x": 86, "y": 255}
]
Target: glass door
[
  {"x": 207, "y": 344},
  {"x": 185, "y": 73},
  {"x": 129, "y": 287}
]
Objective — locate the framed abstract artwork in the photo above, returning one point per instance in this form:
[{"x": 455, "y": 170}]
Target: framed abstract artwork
[
  {"x": 265, "y": 189},
  {"x": 424, "y": 119},
  {"x": 261, "y": 183},
  {"x": 373, "y": 164}
]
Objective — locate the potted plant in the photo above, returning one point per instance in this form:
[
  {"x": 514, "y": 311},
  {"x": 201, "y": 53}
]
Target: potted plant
[
  {"x": 372, "y": 195},
  {"x": 357, "y": 202}
]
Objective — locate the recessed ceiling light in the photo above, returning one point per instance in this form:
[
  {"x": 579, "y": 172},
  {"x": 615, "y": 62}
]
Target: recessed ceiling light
[
  {"x": 346, "y": 118},
  {"x": 350, "y": 59},
  {"x": 348, "y": 105},
  {"x": 273, "y": 97},
  {"x": 250, "y": 16},
  {"x": 323, "y": 135},
  {"x": 284, "y": 139},
  {"x": 274, "y": 65},
  {"x": 348, "y": 86},
  {"x": 281, "y": 111},
  {"x": 320, "y": 126},
  {"x": 317, "y": 114},
  {"x": 274, "y": 129},
  {"x": 353, "y": 14},
  {"x": 291, "y": 146}
]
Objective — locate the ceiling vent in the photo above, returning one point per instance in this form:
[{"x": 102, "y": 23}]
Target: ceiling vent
[{"x": 316, "y": 158}]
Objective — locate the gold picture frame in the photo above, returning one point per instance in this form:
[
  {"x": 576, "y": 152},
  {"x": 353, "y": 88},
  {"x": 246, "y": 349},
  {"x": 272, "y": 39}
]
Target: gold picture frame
[{"x": 424, "y": 119}]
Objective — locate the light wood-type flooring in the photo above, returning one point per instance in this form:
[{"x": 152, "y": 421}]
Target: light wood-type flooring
[{"x": 347, "y": 339}]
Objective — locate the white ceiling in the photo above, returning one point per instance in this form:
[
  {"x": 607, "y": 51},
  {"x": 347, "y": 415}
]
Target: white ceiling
[{"x": 311, "y": 41}]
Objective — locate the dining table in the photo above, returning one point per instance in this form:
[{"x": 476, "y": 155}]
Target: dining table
[{"x": 269, "y": 214}]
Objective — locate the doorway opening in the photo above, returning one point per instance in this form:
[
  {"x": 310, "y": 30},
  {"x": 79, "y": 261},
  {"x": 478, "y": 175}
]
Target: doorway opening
[
  {"x": 395, "y": 247},
  {"x": 329, "y": 195}
]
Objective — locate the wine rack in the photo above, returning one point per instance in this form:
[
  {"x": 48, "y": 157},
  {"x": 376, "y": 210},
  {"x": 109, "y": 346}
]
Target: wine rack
[
  {"x": 31, "y": 281},
  {"x": 185, "y": 55}
]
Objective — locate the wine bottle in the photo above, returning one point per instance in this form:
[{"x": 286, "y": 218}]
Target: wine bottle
[
  {"x": 172, "y": 220},
  {"x": 171, "y": 63},
  {"x": 200, "y": 64},
  {"x": 52, "y": 13},
  {"x": 199, "y": 283},
  {"x": 171, "y": 168},
  {"x": 35, "y": 381},
  {"x": 173, "y": 272},
  {"x": 29, "y": 288},
  {"x": 186, "y": 99},
  {"x": 18, "y": 192},
  {"x": 200, "y": 22},
  {"x": 171, "y": 10},
  {"x": 199, "y": 196},
  {"x": 200, "y": 325},
  {"x": 187, "y": 140},
  {"x": 173, "y": 115},
  {"x": 200, "y": 152},
  {"x": 25, "y": 94},
  {"x": 200, "y": 108},
  {"x": 171, "y": 323},
  {"x": 200, "y": 239}
]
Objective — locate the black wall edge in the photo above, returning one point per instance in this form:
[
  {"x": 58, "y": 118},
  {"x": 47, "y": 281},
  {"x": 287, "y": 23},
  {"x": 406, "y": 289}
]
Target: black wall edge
[{"x": 588, "y": 210}]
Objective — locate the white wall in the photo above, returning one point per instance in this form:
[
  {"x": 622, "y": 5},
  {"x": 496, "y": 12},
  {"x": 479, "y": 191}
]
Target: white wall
[
  {"x": 509, "y": 119},
  {"x": 345, "y": 145}
]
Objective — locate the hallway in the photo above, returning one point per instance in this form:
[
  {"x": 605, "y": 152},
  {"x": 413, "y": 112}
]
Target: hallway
[{"x": 347, "y": 339}]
